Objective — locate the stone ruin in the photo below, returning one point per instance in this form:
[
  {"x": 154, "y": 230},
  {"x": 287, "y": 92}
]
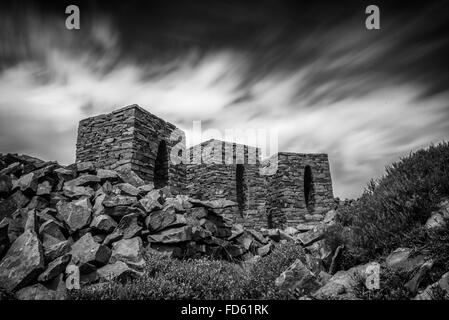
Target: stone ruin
[{"x": 298, "y": 191}]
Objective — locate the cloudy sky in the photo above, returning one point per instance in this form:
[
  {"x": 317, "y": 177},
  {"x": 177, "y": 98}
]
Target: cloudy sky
[{"x": 309, "y": 70}]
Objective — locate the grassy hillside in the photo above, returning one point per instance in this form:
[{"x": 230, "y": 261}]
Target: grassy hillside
[{"x": 392, "y": 210}]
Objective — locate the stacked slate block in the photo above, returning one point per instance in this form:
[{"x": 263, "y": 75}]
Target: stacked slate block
[{"x": 212, "y": 173}]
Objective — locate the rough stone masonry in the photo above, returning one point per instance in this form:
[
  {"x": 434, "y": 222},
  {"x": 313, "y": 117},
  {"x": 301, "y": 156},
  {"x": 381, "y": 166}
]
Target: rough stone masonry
[{"x": 131, "y": 138}]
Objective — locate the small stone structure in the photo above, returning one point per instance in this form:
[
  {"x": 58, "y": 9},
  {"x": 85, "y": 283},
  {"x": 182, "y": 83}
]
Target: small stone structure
[{"x": 284, "y": 190}]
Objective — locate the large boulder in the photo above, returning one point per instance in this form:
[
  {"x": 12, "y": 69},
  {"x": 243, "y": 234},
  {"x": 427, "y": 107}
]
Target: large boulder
[
  {"x": 23, "y": 262},
  {"x": 88, "y": 254},
  {"x": 75, "y": 214}
]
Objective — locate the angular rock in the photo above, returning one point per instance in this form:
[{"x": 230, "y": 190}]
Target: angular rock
[
  {"x": 152, "y": 201},
  {"x": 84, "y": 180},
  {"x": 129, "y": 251},
  {"x": 65, "y": 174},
  {"x": 330, "y": 217},
  {"x": 169, "y": 236},
  {"x": 27, "y": 183},
  {"x": 119, "y": 200},
  {"x": 14, "y": 202},
  {"x": 13, "y": 168},
  {"x": 78, "y": 191},
  {"x": 129, "y": 226},
  {"x": 436, "y": 220},
  {"x": 402, "y": 259},
  {"x": 441, "y": 287},
  {"x": 23, "y": 262},
  {"x": 38, "y": 203},
  {"x": 159, "y": 220},
  {"x": 113, "y": 237},
  {"x": 245, "y": 240},
  {"x": 5, "y": 184},
  {"x": 88, "y": 278},
  {"x": 146, "y": 188},
  {"x": 309, "y": 237},
  {"x": 86, "y": 253},
  {"x": 126, "y": 189},
  {"x": 98, "y": 208},
  {"x": 343, "y": 283},
  {"x": 117, "y": 271},
  {"x": 86, "y": 166},
  {"x": 39, "y": 292},
  {"x": 55, "y": 268},
  {"x": 264, "y": 250},
  {"x": 44, "y": 188},
  {"x": 103, "y": 223},
  {"x": 130, "y": 177},
  {"x": 104, "y": 175},
  {"x": 76, "y": 216},
  {"x": 53, "y": 229},
  {"x": 414, "y": 283},
  {"x": 258, "y": 236},
  {"x": 234, "y": 250},
  {"x": 298, "y": 278},
  {"x": 290, "y": 231},
  {"x": 56, "y": 249}
]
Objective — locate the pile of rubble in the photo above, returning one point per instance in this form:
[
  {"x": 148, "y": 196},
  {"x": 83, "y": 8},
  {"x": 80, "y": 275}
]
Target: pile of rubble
[{"x": 65, "y": 227}]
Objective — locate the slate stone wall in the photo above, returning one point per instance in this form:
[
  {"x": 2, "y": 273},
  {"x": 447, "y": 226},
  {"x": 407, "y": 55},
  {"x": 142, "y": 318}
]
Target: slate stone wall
[
  {"x": 286, "y": 201},
  {"x": 269, "y": 193},
  {"x": 128, "y": 139},
  {"x": 228, "y": 170}
]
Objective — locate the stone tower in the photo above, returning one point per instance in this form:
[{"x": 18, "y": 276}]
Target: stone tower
[{"x": 132, "y": 138}]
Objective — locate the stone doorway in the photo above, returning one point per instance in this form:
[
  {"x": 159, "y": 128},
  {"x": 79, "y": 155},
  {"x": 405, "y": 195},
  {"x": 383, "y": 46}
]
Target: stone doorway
[
  {"x": 161, "y": 166},
  {"x": 309, "y": 189},
  {"x": 240, "y": 186}
]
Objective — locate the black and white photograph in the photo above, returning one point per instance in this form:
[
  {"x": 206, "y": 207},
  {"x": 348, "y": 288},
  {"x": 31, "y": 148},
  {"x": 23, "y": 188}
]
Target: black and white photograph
[{"x": 255, "y": 152}]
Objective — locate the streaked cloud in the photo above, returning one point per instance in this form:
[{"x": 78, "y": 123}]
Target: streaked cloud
[{"x": 357, "y": 96}]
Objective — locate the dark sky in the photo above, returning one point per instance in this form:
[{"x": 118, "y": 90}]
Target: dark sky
[{"x": 309, "y": 70}]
